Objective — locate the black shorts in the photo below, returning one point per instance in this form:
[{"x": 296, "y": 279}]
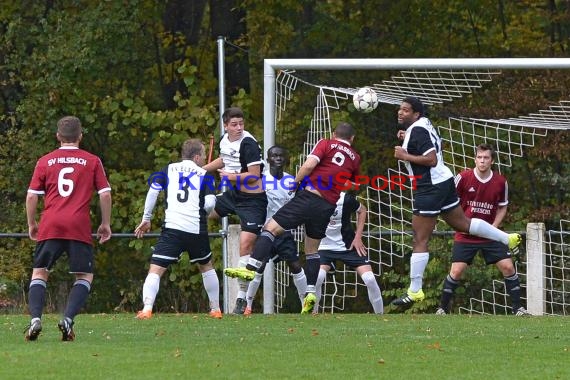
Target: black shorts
[
  {"x": 309, "y": 209},
  {"x": 173, "y": 243},
  {"x": 79, "y": 255},
  {"x": 285, "y": 248},
  {"x": 492, "y": 252},
  {"x": 435, "y": 199},
  {"x": 349, "y": 258},
  {"x": 251, "y": 208}
]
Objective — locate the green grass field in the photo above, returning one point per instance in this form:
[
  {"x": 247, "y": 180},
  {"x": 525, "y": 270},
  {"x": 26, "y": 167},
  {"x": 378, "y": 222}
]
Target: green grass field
[{"x": 290, "y": 346}]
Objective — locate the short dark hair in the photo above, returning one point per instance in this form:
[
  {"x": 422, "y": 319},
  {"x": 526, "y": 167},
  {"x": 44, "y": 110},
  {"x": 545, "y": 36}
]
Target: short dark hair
[
  {"x": 230, "y": 113},
  {"x": 277, "y": 146},
  {"x": 69, "y": 129},
  {"x": 416, "y": 103},
  {"x": 285, "y": 152},
  {"x": 344, "y": 130},
  {"x": 485, "y": 147},
  {"x": 191, "y": 148}
]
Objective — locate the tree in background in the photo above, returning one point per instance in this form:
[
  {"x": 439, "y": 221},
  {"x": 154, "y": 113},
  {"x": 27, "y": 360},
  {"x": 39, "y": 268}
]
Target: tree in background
[{"x": 142, "y": 76}]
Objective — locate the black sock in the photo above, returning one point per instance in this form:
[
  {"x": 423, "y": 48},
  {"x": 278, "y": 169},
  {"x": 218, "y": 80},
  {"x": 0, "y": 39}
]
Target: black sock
[
  {"x": 312, "y": 266},
  {"x": 77, "y": 298},
  {"x": 37, "y": 297},
  {"x": 449, "y": 286},
  {"x": 513, "y": 285},
  {"x": 261, "y": 249}
]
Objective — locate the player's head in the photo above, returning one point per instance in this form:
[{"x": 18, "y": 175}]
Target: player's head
[
  {"x": 232, "y": 113},
  {"x": 193, "y": 149},
  {"x": 416, "y": 104},
  {"x": 411, "y": 109},
  {"x": 233, "y": 123},
  {"x": 277, "y": 156},
  {"x": 69, "y": 129},
  {"x": 486, "y": 148},
  {"x": 344, "y": 131},
  {"x": 484, "y": 157}
]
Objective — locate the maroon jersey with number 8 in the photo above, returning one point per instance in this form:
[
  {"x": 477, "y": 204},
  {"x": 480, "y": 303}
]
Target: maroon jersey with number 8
[{"x": 338, "y": 161}]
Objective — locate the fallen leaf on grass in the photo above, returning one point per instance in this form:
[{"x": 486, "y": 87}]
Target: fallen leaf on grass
[{"x": 435, "y": 346}]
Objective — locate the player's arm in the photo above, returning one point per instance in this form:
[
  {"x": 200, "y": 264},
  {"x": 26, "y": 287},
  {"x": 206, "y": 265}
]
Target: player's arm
[
  {"x": 31, "y": 207},
  {"x": 214, "y": 165},
  {"x": 306, "y": 169},
  {"x": 421, "y": 140},
  {"x": 209, "y": 203},
  {"x": 104, "y": 230},
  {"x": 502, "y": 205},
  {"x": 500, "y": 215},
  {"x": 149, "y": 204},
  {"x": 357, "y": 243},
  {"x": 250, "y": 177},
  {"x": 427, "y": 159},
  {"x": 207, "y": 187}
]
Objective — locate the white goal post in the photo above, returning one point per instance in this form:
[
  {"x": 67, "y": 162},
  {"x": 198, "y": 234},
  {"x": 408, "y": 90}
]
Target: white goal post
[{"x": 272, "y": 108}]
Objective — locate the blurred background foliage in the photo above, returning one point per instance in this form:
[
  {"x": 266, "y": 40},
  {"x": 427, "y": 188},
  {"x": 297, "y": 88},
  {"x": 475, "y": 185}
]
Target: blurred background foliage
[{"x": 142, "y": 76}]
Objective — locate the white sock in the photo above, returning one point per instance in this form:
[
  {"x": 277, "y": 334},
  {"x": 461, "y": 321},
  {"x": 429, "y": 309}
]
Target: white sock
[
  {"x": 300, "y": 281},
  {"x": 481, "y": 228},
  {"x": 374, "y": 294},
  {"x": 150, "y": 290},
  {"x": 212, "y": 287},
  {"x": 418, "y": 263},
  {"x": 252, "y": 289},
  {"x": 242, "y": 284},
  {"x": 319, "y": 287}
]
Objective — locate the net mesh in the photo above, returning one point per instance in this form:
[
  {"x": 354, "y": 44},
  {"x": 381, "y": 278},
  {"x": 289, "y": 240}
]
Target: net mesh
[{"x": 388, "y": 232}]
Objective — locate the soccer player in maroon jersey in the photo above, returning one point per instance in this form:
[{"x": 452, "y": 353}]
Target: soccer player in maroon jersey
[
  {"x": 323, "y": 175},
  {"x": 67, "y": 178},
  {"x": 483, "y": 194}
]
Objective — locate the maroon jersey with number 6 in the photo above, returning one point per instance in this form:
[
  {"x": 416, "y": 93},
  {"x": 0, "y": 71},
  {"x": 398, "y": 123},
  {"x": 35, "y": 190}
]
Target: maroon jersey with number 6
[{"x": 67, "y": 177}]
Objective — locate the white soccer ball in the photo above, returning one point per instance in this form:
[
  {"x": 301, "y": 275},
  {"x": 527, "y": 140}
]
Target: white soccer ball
[{"x": 365, "y": 99}]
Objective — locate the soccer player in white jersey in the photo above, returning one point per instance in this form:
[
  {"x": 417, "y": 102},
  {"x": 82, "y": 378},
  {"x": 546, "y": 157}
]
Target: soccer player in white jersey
[
  {"x": 435, "y": 194},
  {"x": 189, "y": 197},
  {"x": 278, "y": 185},
  {"x": 344, "y": 244},
  {"x": 240, "y": 166},
  {"x": 483, "y": 193}
]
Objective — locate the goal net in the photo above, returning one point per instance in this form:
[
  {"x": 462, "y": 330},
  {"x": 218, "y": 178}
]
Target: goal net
[{"x": 295, "y": 97}]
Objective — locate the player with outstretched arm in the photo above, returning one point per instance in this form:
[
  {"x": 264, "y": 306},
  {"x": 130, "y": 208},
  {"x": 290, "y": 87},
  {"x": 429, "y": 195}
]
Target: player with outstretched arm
[
  {"x": 435, "y": 194},
  {"x": 324, "y": 172}
]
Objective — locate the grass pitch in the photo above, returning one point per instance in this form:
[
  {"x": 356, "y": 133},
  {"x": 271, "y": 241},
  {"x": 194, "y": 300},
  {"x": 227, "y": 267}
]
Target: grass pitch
[{"x": 290, "y": 346}]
